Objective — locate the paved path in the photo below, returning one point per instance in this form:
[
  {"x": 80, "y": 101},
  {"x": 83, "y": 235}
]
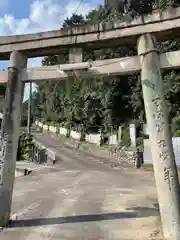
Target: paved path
[{"x": 82, "y": 199}]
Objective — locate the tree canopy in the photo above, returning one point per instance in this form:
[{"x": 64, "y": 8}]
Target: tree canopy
[{"x": 104, "y": 102}]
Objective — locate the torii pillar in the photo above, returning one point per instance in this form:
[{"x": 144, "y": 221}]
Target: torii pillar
[
  {"x": 10, "y": 134},
  {"x": 165, "y": 170}
]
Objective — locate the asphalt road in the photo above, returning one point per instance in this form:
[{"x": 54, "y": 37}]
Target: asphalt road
[{"x": 82, "y": 199}]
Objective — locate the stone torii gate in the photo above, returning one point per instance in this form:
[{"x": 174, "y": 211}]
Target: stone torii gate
[{"x": 143, "y": 31}]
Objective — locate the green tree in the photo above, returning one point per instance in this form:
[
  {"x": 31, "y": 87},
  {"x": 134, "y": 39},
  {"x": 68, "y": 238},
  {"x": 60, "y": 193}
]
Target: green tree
[
  {"x": 74, "y": 20},
  {"x": 104, "y": 102}
]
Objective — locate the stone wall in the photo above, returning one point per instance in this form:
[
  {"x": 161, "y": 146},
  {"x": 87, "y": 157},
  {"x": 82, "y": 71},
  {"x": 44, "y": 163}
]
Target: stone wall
[
  {"x": 114, "y": 139},
  {"x": 121, "y": 154}
]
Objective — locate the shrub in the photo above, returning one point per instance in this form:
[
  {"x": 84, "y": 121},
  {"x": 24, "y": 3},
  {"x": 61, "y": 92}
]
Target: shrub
[
  {"x": 176, "y": 126},
  {"x": 177, "y": 133},
  {"x": 25, "y": 148}
]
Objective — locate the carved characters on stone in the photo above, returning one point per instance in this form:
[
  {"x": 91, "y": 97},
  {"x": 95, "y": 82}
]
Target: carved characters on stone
[
  {"x": 163, "y": 155},
  {"x": 148, "y": 84},
  {"x": 160, "y": 126},
  {"x": 161, "y": 143},
  {"x": 3, "y": 146},
  {"x": 158, "y": 116},
  {"x": 168, "y": 177}
]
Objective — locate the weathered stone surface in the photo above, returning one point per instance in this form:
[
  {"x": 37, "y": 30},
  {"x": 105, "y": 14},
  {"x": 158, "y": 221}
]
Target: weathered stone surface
[
  {"x": 44, "y": 154},
  {"x": 93, "y": 36},
  {"x": 165, "y": 170},
  {"x": 10, "y": 134},
  {"x": 51, "y": 156},
  {"x": 108, "y": 67}
]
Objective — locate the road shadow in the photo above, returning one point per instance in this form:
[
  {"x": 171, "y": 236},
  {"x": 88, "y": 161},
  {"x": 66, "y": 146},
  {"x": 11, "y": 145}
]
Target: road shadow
[
  {"x": 139, "y": 213},
  {"x": 145, "y": 211}
]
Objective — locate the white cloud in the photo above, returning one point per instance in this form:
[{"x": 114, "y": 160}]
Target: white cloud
[{"x": 44, "y": 15}]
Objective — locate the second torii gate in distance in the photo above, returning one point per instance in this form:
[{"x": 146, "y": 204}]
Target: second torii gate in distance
[{"x": 144, "y": 32}]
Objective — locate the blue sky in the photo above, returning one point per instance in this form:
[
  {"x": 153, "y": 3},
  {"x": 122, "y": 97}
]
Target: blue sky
[{"x": 30, "y": 16}]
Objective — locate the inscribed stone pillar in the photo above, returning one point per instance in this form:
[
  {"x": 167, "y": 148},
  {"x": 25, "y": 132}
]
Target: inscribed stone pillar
[
  {"x": 10, "y": 134},
  {"x": 165, "y": 169},
  {"x": 132, "y": 132},
  {"x": 119, "y": 135}
]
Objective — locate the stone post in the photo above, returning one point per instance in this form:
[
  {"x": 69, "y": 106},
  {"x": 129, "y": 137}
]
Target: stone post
[
  {"x": 10, "y": 134},
  {"x": 76, "y": 56},
  {"x": 119, "y": 135},
  {"x": 165, "y": 170},
  {"x": 29, "y": 109},
  {"x": 132, "y": 132}
]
